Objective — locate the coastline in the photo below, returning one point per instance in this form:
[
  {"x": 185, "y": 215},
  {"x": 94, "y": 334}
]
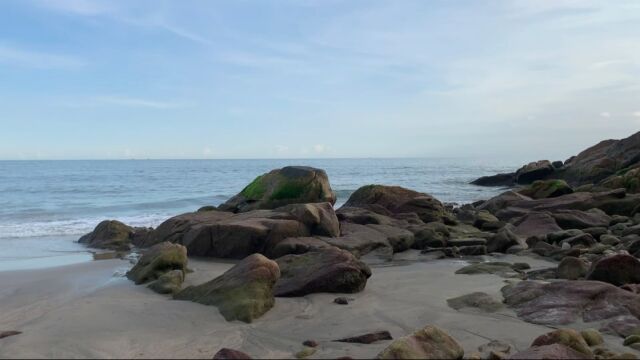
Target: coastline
[{"x": 83, "y": 310}]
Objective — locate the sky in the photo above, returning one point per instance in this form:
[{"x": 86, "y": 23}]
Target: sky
[{"x": 525, "y": 79}]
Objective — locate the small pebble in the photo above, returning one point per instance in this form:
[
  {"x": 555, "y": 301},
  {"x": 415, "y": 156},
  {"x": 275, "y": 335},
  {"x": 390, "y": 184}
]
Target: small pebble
[
  {"x": 310, "y": 343},
  {"x": 341, "y": 300}
]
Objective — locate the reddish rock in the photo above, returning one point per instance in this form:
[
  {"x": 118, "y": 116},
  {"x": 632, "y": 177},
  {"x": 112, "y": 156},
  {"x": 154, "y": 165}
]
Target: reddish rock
[
  {"x": 616, "y": 269},
  {"x": 230, "y": 354},
  {"x": 536, "y": 224},
  {"x": 554, "y": 351}
]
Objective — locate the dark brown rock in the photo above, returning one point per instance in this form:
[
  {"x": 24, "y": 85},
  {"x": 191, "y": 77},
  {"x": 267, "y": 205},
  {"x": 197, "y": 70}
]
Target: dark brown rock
[
  {"x": 536, "y": 224},
  {"x": 114, "y": 235},
  {"x": 534, "y": 171},
  {"x": 505, "y": 179},
  {"x": 368, "y": 338},
  {"x": 4, "y": 334},
  {"x": 576, "y": 219},
  {"x": 616, "y": 269},
  {"x": 230, "y": 354},
  {"x": 331, "y": 270},
  {"x": 362, "y": 240}
]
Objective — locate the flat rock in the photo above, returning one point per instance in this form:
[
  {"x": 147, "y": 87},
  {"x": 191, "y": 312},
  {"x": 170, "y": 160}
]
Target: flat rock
[
  {"x": 244, "y": 292},
  {"x": 564, "y": 302},
  {"x": 577, "y": 219},
  {"x": 503, "y": 269},
  {"x": 478, "y": 300},
  {"x": 368, "y": 338},
  {"x": 536, "y": 224},
  {"x": 330, "y": 270}
]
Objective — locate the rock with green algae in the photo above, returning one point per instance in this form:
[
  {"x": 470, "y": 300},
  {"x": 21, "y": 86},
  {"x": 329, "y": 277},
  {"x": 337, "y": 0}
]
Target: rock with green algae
[
  {"x": 157, "y": 261},
  {"x": 592, "y": 337},
  {"x": 542, "y": 189},
  {"x": 632, "y": 339},
  {"x": 114, "y": 235},
  {"x": 503, "y": 269},
  {"x": 428, "y": 343},
  {"x": 567, "y": 337},
  {"x": 329, "y": 270},
  {"x": 168, "y": 283},
  {"x": 305, "y": 352},
  {"x": 289, "y": 185},
  {"x": 479, "y": 300},
  {"x": 629, "y": 179},
  {"x": 244, "y": 292}
]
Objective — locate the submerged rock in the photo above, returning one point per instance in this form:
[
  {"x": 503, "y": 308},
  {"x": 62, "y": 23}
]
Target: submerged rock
[
  {"x": 289, "y": 185},
  {"x": 330, "y": 270},
  {"x": 244, "y": 292},
  {"x": 428, "y": 343},
  {"x": 157, "y": 261}
]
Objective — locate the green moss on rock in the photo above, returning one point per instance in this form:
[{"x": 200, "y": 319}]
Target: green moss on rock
[{"x": 256, "y": 189}]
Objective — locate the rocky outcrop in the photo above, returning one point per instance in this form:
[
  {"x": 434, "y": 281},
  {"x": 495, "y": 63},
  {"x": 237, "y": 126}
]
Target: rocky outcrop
[
  {"x": 564, "y": 302},
  {"x": 114, "y": 235},
  {"x": 428, "y": 343},
  {"x": 619, "y": 269},
  {"x": 328, "y": 270},
  {"x": 244, "y": 292},
  {"x": 289, "y": 185},
  {"x": 533, "y": 171},
  {"x": 394, "y": 200},
  {"x": 542, "y": 189},
  {"x": 157, "y": 261},
  {"x": 228, "y": 235}
]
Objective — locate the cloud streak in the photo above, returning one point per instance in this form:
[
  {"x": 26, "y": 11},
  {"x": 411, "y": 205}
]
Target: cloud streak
[{"x": 39, "y": 60}]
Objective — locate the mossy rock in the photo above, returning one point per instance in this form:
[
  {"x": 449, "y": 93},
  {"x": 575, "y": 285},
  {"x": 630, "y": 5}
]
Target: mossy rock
[
  {"x": 428, "y": 343},
  {"x": 168, "y": 283},
  {"x": 542, "y": 189},
  {"x": 157, "y": 261},
  {"x": 244, "y": 292},
  {"x": 567, "y": 337},
  {"x": 592, "y": 337},
  {"x": 109, "y": 234},
  {"x": 629, "y": 179},
  {"x": 289, "y": 185},
  {"x": 632, "y": 339}
]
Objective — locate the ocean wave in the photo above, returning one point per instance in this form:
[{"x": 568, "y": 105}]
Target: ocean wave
[{"x": 79, "y": 226}]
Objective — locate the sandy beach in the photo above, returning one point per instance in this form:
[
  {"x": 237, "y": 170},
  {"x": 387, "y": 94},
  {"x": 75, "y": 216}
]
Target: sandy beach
[{"x": 90, "y": 310}]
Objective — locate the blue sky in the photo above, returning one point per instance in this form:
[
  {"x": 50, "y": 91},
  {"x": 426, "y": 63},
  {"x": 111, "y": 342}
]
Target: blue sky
[{"x": 316, "y": 78}]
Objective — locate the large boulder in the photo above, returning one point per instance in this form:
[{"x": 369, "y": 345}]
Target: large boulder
[
  {"x": 565, "y": 302},
  {"x": 619, "y": 269},
  {"x": 362, "y": 240},
  {"x": 397, "y": 200},
  {"x": 533, "y": 171},
  {"x": 536, "y": 224},
  {"x": 572, "y": 268},
  {"x": 328, "y": 270},
  {"x": 505, "y": 238},
  {"x": 228, "y": 235},
  {"x": 566, "y": 337},
  {"x": 505, "y": 179},
  {"x": 428, "y": 343},
  {"x": 289, "y": 185},
  {"x": 502, "y": 201},
  {"x": 114, "y": 235},
  {"x": 158, "y": 260},
  {"x": 629, "y": 179},
  {"x": 244, "y": 292},
  {"x": 576, "y": 219},
  {"x": 296, "y": 245},
  {"x": 542, "y": 189}
]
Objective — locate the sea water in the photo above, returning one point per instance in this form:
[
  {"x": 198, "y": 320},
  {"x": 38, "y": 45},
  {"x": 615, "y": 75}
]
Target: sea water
[{"x": 46, "y": 205}]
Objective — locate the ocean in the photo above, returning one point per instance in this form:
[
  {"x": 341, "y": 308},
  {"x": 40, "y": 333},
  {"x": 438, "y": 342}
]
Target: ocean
[{"x": 46, "y": 205}]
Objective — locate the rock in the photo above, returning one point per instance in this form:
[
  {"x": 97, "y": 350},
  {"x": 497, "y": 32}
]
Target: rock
[
  {"x": 305, "y": 353},
  {"x": 622, "y": 326},
  {"x": 507, "y": 179},
  {"x": 471, "y": 250},
  {"x": 576, "y": 219},
  {"x": 592, "y": 337},
  {"x": 227, "y": 235},
  {"x": 534, "y": 171},
  {"x": 431, "y": 235},
  {"x": 629, "y": 179},
  {"x": 244, "y": 292},
  {"x": 554, "y": 351},
  {"x": 113, "y": 235},
  {"x": 362, "y": 216},
  {"x": 478, "y": 300},
  {"x": 619, "y": 219},
  {"x": 502, "y": 201},
  {"x": 567, "y": 337},
  {"x": 296, "y": 245},
  {"x": 361, "y": 240},
  {"x": 310, "y": 343},
  {"x": 489, "y": 350},
  {"x": 536, "y": 224},
  {"x": 341, "y": 300},
  {"x": 584, "y": 239},
  {"x": 503, "y": 269},
  {"x": 572, "y": 268},
  {"x": 427, "y": 343},
  {"x": 542, "y": 189},
  {"x": 558, "y": 236},
  {"x": 395, "y": 200},
  {"x": 400, "y": 239},
  {"x": 368, "y": 338},
  {"x": 632, "y": 339},
  {"x": 617, "y": 269},
  {"x": 467, "y": 242},
  {"x": 168, "y": 283},
  {"x": 542, "y": 274},
  {"x": 609, "y": 240},
  {"x": 157, "y": 261},
  {"x": 596, "y": 232},
  {"x": 504, "y": 239},
  {"x": 4, "y": 334},
  {"x": 564, "y": 302},
  {"x": 483, "y": 217},
  {"x": 289, "y": 185},
  {"x": 230, "y": 354},
  {"x": 331, "y": 270}
]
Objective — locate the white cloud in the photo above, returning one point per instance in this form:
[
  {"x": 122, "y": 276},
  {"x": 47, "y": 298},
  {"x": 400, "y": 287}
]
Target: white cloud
[
  {"x": 79, "y": 7},
  {"x": 605, "y": 114},
  {"x": 636, "y": 114},
  {"x": 142, "y": 103},
  {"x": 35, "y": 59},
  {"x": 319, "y": 148}
]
